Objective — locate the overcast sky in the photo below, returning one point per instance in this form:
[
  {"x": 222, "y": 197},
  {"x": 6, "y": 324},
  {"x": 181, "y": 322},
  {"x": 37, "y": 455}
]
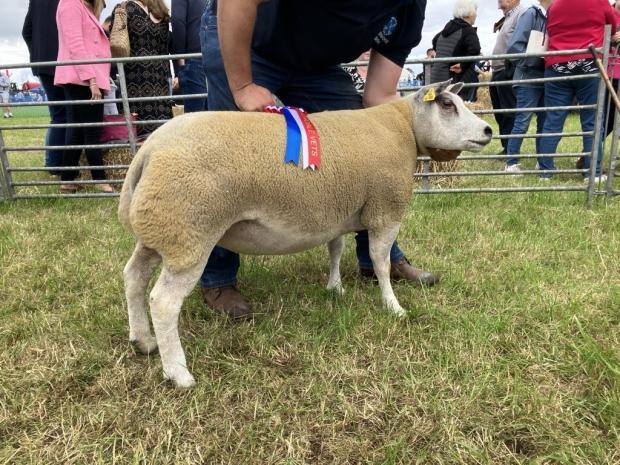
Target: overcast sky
[{"x": 438, "y": 12}]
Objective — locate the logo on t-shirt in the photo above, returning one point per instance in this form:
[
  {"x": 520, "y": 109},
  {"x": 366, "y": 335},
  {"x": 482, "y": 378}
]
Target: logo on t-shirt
[{"x": 384, "y": 36}]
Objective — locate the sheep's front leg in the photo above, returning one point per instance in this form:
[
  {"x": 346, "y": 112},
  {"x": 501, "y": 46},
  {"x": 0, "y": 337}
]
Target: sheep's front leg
[
  {"x": 136, "y": 274},
  {"x": 166, "y": 299},
  {"x": 380, "y": 242},
  {"x": 335, "y": 248}
]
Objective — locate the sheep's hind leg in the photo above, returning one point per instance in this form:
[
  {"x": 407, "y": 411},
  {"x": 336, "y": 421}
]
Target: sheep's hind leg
[
  {"x": 136, "y": 274},
  {"x": 166, "y": 299},
  {"x": 380, "y": 243},
  {"x": 335, "y": 248}
]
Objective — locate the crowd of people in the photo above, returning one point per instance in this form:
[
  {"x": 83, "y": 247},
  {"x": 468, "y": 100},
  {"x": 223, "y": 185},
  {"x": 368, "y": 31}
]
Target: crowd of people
[
  {"x": 77, "y": 34},
  {"x": 150, "y": 33},
  {"x": 556, "y": 22},
  {"x": 560, "y": 29},
  {"x": 277, "y": 48}
]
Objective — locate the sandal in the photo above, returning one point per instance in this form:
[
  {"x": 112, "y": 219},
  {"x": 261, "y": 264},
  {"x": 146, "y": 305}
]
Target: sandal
[
  {"x": 105, "y": 188},
  {"x": 69, "y": 188}
]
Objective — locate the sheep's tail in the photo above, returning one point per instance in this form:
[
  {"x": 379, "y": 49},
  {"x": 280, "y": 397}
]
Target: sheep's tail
[{"x": 134, "y": 173}]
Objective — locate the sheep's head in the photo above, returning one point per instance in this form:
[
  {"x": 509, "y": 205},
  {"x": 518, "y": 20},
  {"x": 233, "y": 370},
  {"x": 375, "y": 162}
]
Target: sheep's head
[{"x": 443, "y": 125}]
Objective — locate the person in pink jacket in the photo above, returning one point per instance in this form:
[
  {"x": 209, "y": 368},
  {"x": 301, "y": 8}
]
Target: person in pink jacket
[{"x": 81, "y": 37}]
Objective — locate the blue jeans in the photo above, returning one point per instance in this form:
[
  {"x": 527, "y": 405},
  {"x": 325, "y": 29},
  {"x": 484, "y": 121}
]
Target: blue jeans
[
  {"x": 528, "y": 97},
  {"x": 193, "y": 81},
  {"x": 58, "y": 115},
  {"x": 561, "y": 93},
  {"x": 329, "y": 89}
]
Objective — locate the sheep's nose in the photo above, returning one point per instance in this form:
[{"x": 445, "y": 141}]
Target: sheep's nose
[{"x": 488, "y": 131}]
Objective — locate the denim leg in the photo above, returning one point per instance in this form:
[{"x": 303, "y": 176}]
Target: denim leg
[
  {"x": 58, "y": 115},
  {"x": 527, "y": 97},
  {"x": 265, "y": 74},
  {"x": 220, "y": 97},
  {"x": 557, "y": 93},
  {"x": 586, "y": 91},
  {"x": 363, "y": 254},
  {"x": 540, "y": 120},
  {"x": 193, "y": 81},
  {"x": 221, "y": 269},
  {"x": 330, "y": 90},
  {"x": 223, "y": 264}
]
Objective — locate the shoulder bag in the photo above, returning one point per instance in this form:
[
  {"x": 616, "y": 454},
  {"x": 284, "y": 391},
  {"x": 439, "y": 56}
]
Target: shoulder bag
[{"x": 119, "y": 35}]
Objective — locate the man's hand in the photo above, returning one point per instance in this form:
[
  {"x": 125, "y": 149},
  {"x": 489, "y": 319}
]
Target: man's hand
[
  {"x": 456, "y": 68},
  {"x": 253, "y": 98}
]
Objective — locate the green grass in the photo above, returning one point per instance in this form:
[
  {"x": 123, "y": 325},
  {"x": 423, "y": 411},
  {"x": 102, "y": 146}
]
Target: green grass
[{"x": 514, "y": 358}]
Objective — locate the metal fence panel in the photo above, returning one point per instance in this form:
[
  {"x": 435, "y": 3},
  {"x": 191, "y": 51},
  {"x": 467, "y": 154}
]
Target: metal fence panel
[{"x": 11, "y": 188}]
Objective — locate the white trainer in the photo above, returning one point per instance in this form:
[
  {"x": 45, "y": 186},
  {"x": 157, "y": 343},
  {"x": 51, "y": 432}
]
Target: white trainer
[
  {"x": 597, "y": 179},
  {"x": 516, "y": 168}
]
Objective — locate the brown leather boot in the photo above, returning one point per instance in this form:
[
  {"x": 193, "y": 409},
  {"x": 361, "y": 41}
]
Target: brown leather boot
[
  {"x": 228, "y": 301},
  {"x": 402, "y": 270}
]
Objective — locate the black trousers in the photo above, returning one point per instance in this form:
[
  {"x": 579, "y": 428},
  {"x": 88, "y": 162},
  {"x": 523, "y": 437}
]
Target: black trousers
[
  {"x": 90, "y": 113},
  {"x": 503, "y": 97},
  {"x": 611, "y": 110}
]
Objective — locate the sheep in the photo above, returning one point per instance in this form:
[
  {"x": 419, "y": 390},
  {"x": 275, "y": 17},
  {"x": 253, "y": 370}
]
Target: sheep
[{"x": 219, "y": 178}]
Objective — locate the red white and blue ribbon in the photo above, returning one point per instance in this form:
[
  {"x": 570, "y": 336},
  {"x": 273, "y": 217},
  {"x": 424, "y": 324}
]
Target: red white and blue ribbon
[{"x": 300, "y": 132}]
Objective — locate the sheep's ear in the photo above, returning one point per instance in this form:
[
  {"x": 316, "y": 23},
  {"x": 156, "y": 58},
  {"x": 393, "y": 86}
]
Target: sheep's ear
[
  {"x": 428, "y": 93},
  {"x": 445, "y": 85},
  {"x": 455, "y": 88}
]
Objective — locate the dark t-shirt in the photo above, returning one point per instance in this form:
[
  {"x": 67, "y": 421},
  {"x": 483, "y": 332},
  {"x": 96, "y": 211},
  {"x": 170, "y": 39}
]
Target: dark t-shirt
[{"x": 309, "y": 35}]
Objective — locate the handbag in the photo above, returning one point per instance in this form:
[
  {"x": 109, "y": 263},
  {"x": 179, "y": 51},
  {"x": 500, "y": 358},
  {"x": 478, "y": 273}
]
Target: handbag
[
  {"x": 117, "y": 133},
  {"x": 119, "y": 35},
  {"x": 538, "y": 44}
]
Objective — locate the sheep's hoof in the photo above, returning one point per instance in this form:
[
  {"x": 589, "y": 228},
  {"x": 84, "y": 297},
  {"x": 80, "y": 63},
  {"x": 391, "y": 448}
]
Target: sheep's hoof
[
  {"x": 396, "y": 309},
  {"x": 336, "y": 287},
  {"x": 146, "y": 345},
  {"x": 181, "y": 379}
]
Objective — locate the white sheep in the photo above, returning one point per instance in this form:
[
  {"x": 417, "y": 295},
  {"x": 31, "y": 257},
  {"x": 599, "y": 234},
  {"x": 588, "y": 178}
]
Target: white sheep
[{"x": 219, "y": 178}]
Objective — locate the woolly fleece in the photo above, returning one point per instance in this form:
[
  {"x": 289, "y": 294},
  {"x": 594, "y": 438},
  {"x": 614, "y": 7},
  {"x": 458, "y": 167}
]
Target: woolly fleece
[{"x": 202, "y": 173}]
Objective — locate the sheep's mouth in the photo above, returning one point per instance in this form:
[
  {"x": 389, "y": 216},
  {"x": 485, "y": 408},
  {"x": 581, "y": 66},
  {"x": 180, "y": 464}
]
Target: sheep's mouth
[
  {"x": 479, "y": 143},
  {"x": 476, "y": 145}
]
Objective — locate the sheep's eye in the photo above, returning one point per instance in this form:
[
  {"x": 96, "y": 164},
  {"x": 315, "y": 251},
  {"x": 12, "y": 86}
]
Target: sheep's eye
[{"x": 447, "y": 104}]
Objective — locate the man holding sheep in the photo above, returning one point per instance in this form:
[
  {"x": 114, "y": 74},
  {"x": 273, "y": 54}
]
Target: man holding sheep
[{"x": 293, "y": 49}]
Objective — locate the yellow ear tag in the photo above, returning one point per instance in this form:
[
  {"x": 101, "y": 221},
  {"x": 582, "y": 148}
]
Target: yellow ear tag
[{"x": 430, "y": 95}]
